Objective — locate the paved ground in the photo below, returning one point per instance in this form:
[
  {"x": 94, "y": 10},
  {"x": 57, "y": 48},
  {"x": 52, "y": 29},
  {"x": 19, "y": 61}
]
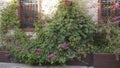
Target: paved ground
[{"x": 15, "y": 65}]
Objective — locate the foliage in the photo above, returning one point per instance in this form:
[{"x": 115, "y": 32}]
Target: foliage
[
  {"x": 19, "y": 37},
  {"x": 67, "y": 36},
  {"x": 8, "y": 22},
  {"x": 71, "y": 34},
  {"x": 106, "y": 38},
  {"x": 9, "y": 18}
]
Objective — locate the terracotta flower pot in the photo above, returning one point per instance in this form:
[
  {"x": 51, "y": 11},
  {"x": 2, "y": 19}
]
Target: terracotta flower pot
[
  {"x": 105, "y": 60},
  {"x": 66, "y": 3}
]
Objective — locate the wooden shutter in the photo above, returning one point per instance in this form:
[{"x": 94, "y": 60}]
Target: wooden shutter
[
  {"x": 109, "y": 10},
  {"x": 28, "y": 13},
  {"x": 106, "y": 10}
]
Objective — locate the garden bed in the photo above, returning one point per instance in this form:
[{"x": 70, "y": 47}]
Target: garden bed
[
  {"x": 88, "y": 61},
  {"x": 98, "y": 60},
  {"x": 105, "y": 60}
]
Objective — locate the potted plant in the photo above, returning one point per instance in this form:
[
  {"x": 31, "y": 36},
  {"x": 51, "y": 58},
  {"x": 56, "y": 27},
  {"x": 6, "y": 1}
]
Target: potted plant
[
  {"x": 105, "y": 60},
  {"x": 66, "y": 2}
]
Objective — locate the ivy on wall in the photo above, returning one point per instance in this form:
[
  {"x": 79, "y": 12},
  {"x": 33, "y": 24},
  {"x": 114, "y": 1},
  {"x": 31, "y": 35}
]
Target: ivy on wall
[
  {"x": 9, "y": 18},
  {"x": 8, "y": 21}
]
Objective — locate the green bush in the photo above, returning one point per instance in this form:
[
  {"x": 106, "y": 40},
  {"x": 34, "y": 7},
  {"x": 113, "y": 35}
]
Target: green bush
[
  {"x": 106, "y": 38},
  {"x": 8, "y": 21},
  {"x": 67, "y": 36},
  {"x": 9, "y": 18},
  {"x": 70, "y": 34}
]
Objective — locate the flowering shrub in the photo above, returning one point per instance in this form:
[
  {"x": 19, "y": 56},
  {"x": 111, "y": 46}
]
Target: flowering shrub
[
  {"x": 67, "y": 36},
  {"x": 106, "y": 38},
  {"x": 9, "y": 18},
  {"x": 64, "y": 46},
  {"x": 8, "y": 22}
]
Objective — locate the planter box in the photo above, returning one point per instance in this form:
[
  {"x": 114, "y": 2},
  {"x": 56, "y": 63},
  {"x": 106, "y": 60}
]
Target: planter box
[
  {"x": 4, "y": 56},
  {"x": 105, "y": 60}
]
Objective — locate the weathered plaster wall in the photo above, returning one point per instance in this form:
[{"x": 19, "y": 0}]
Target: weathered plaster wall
[
  {"x": 49, "y": 6},
  {"x": 92, "y": 7},
  {"x": 4, "y": 3}
]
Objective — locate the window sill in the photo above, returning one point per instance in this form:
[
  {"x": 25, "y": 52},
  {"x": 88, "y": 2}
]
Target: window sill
[{"x": 28, "y": 29}]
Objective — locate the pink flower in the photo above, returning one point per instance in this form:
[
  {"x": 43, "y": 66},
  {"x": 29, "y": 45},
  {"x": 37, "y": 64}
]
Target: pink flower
[
  {"x": 51, "y": 56},
  {"x": 117, "y": 21},
  {"x": 64, "y": 46},
  {"x": 116, "y": 5},
  {"x": 115, "y": 18},
  {"x": 38, "y": 51}
]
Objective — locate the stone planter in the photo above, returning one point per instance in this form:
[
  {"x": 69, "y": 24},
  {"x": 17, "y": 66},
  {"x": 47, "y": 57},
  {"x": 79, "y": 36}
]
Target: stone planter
[
  {"x": 105, "y": 60},
  {"x": 4, "y": 56}
]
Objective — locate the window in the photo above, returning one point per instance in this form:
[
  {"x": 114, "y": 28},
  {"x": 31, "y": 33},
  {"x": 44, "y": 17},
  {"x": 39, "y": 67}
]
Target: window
[
  {"x": 28, "y": 11},
  {"x": 108, "y": 9}
]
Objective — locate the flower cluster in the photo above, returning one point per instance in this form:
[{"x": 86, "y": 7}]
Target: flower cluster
[
  {"x": 38, "y": 51},
  {"x": 117, "y": 20},
  {"x": 52, "y": 56},
  {"x": 64, "y": 46},
  {"x": 117, "y": 5}
]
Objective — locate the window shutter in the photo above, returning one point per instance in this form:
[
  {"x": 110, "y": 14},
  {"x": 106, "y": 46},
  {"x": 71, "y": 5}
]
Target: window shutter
[
  {"x": 106, "y": 10},
  {"x": 28, "y": 13}
]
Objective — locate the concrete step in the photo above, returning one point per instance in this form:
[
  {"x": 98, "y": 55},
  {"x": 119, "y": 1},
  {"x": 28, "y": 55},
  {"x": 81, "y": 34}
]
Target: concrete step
[{"x": 17, "y": 65}]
